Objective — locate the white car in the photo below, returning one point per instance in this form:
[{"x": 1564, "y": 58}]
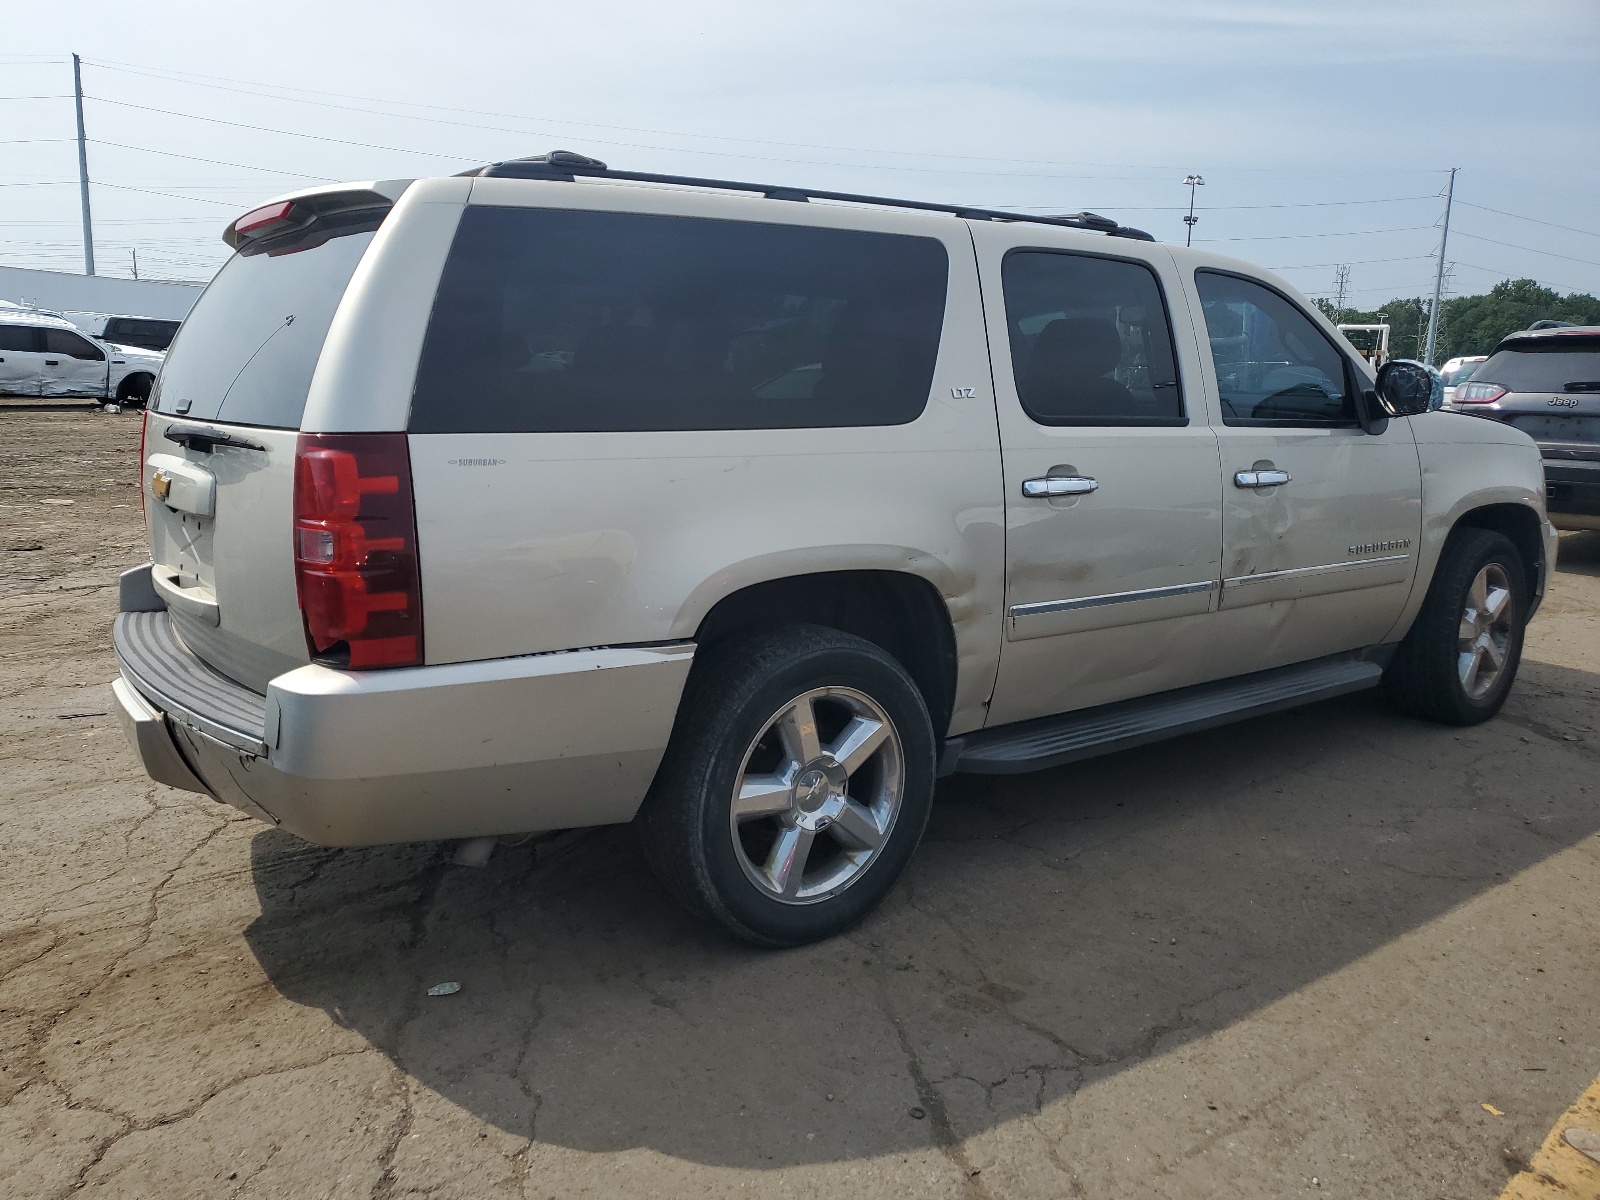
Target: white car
[
  {"x": 553, "y": 495},
  {"x": 46, "y": 355}
]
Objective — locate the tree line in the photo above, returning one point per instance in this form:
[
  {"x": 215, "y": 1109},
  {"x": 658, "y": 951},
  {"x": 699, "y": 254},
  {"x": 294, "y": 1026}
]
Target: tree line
[{"x": 1470, "y": 324}]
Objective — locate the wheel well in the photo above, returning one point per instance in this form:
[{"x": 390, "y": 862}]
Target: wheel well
[
  {"x": 903, "y": 614},
  {"x": 1521, "y": 525},
  {"x": 131, "y": 380}
]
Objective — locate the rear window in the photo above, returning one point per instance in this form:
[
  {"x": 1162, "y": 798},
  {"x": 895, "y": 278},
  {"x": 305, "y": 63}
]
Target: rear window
[
  {"x": 246, "y": 353},
  {"x": 1538, "y": 369},
  {"x": 556, "y": 321}
]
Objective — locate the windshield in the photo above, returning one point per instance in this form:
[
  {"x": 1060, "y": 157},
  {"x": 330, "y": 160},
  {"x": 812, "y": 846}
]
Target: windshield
[
  {"x": 247, "y": 352},
  {"x": 1537, "y": 369}
]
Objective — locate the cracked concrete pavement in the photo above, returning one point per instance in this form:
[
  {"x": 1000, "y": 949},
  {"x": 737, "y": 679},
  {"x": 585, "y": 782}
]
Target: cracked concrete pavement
[{"x": 1291, "y": 956}]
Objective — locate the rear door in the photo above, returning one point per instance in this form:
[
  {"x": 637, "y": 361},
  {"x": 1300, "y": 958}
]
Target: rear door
[
  {"x": 73, "y": 365},
  {"x": 220, "y": 510},
  {"x": 1113, "y": 521},
  {"x": 21, "y": 359}
]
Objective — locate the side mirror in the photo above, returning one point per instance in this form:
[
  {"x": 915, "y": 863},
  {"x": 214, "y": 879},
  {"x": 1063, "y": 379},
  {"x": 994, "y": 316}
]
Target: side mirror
[{"x": 1406, "y": 388}]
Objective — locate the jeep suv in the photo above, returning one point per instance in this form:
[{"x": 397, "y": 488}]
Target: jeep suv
[
  {"x": 554, "y": 495},
  {"x": 1546, "y": 382}
]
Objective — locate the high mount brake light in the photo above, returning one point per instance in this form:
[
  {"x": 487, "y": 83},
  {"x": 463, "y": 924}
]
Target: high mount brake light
[
  {"x": 1478, "y": 393},
  {"x": 355, "y": 550},
  {"x": 260, "y": 218}
]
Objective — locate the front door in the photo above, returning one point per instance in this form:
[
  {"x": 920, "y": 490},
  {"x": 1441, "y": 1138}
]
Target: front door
[
  {"x": 1321, "y": 519},
  {"x": 1113, "y": 521}
]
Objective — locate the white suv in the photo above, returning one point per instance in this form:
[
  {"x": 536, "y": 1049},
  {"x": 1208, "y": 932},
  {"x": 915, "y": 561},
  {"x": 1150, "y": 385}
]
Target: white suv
[
  {"x": 45, "y": 355},
  {"x": 555, "y": 495}
]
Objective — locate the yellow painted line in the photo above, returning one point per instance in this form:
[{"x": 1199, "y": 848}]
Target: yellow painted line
[{"x": 1558, "y": 1171}]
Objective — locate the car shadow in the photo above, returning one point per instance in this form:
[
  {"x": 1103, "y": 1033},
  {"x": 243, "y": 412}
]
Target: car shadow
[
  {"x": 1580, "y": 553},
  {"x": 1053, "y": 928}
]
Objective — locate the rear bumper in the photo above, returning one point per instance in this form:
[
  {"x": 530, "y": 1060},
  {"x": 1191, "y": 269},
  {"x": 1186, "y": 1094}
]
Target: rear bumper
[
  {"x": 356, "y": 758},
  {"x": 1572, "y": 492}
]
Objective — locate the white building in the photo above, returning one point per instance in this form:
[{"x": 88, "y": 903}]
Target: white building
[{"x": 87, "y": 300}]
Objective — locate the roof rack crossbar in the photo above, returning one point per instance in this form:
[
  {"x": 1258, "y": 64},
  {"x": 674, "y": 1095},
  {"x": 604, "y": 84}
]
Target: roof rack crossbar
[{"x": 565, "y": 166}]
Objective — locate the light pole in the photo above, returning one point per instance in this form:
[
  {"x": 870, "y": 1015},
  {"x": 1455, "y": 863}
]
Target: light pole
[{"x": 1191, "y": 182}]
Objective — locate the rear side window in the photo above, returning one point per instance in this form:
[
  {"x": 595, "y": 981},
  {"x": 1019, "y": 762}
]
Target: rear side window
[
  {"x": 1274, "y": 366},
  {"x": 1541, "y": 369},
  {"x": 1090, "y": 340},
  {"x": 246, "y": 353},
  {"x": 556, "y": 321},
  {"x": 20, "y": 339}
]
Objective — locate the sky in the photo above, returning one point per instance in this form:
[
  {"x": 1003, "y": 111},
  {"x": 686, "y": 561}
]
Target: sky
[{"x": 1325, "y": 133}]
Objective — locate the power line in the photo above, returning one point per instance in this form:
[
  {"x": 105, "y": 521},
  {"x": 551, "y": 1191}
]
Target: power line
[
  {"x": 1549, "y": 283},
  {"x": 219, "y": 82},
  {"x": 213, "y": 161},
  {"x": 1513, "y": 246},
  {"x": 1283, "y": 237},
  {"x": 122, "y": 187},
  {"x": 1520, "y": 217},
  {"x": 316, "y": 137}
]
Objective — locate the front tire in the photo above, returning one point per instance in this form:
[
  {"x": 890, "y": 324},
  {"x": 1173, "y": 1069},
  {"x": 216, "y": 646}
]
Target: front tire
[
  {"x": 134, "y": 391},
  {"x": 796, "y": 787},
  {"x": 1458, "y": 663}
]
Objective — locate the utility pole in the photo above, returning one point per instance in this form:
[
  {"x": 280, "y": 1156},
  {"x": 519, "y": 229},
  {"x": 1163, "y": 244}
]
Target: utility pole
[
  {"x": 135, "y": 254},
  {"x": 1341, "y": 282},
  {"x": 1438, "y": 276},
  {"x": 1191, "y": 182},
  {"x": 83, "y": 169}
]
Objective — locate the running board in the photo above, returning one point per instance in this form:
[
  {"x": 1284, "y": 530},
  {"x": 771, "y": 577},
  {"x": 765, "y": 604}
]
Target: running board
[{"x": 1052, "y": 741}]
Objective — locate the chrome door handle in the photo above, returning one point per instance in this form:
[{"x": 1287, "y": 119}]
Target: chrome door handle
[
  {"x": 1058, "y": 485},
  {"x": 1260, "y": 479}
]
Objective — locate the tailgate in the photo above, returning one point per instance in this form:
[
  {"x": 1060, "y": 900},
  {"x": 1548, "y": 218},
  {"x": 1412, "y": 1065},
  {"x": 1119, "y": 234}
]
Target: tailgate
[{"x": 222, "y": 427}]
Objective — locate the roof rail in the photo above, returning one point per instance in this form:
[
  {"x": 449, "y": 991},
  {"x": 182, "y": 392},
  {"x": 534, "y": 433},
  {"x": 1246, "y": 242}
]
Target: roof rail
[{"x": 565, "y": 165}]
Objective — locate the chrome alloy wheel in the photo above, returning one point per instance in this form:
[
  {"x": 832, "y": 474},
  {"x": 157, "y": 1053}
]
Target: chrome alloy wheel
[
  {"x": 1484, "y": 638},
  {"x": 817, "y": 795}
]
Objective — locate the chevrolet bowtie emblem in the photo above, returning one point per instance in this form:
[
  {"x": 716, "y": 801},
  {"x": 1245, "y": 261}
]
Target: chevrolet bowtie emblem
[{"x": 161, "y": 484}]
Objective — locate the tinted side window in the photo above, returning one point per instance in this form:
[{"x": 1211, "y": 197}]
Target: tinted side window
[
  {"x": 64, "y": 341},
  {"x": 555, "y": 321},
  {"x": 1090, "y": 340},
  {"x": 1274, "y": 367},
  {"x": 20, "y": 339}
]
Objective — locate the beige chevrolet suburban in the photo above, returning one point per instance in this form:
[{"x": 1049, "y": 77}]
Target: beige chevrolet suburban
[{"x": 554, "y": 495}]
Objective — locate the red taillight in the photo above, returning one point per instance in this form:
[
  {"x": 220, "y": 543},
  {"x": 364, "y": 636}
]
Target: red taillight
[
  {"x": 355, "y": 549},
  {"x": 1478, "y": 393},
  {"x": 260, "y": 218}
]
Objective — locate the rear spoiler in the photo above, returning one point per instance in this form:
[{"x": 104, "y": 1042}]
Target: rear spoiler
[{"x": 308, "y": 218}]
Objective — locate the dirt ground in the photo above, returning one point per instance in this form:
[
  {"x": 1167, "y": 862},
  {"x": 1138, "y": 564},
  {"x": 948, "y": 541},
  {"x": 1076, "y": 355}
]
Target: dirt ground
[{"x": 1294, "y": 956}]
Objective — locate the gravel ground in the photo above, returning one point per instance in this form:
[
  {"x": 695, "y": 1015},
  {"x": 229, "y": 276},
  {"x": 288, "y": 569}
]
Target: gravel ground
[{"x": 1296, "y": 955}]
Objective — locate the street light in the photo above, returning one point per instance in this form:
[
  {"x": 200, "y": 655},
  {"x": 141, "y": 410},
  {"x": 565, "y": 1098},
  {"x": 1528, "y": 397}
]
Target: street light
[{"x": 1191, "y": 182}]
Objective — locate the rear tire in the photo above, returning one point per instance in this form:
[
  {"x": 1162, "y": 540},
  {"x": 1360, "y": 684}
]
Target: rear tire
[
  {"x": 796, "y": 786},
  {"x": 1460, "y": 659}
]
